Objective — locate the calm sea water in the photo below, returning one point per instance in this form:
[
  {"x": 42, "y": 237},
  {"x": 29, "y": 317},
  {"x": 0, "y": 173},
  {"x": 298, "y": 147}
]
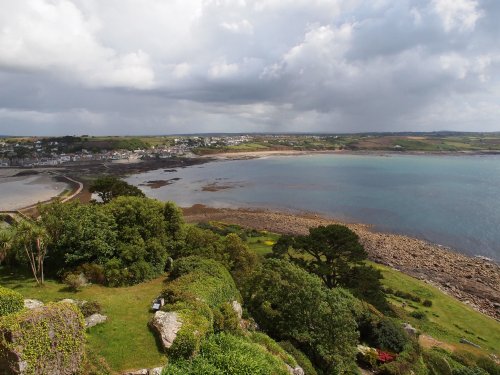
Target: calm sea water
[{"x": 448, "y": 200}]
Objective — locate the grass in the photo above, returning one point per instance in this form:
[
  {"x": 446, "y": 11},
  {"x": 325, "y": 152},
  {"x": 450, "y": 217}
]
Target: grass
[
  {"x": 124, "y": 340},
  {"x": 262, "y": 245},
  {"x": 447, "y": 319}
]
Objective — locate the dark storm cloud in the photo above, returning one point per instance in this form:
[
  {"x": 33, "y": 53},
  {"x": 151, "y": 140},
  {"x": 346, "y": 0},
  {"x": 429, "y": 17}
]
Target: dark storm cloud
[{"x": 69, "y": 67}]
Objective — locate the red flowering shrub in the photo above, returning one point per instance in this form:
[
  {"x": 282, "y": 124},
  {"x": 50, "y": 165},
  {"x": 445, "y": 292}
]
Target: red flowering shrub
[{"x": 385, "y": 357}]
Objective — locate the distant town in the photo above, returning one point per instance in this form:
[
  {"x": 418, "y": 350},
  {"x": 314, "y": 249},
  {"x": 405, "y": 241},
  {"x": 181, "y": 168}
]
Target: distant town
[{"x": 67, "y": 150}]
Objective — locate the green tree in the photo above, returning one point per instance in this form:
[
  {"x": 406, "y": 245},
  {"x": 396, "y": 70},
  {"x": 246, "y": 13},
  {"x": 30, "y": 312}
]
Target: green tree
[
  {"x": 109, "y": 187},
  {"x": 31, "y": 239},
  {"x": 292, "y": 304},
  {"x": 328, "y": 251},
  {"x": 242, "y": 260},
  {"x": 334, "y": 253}
]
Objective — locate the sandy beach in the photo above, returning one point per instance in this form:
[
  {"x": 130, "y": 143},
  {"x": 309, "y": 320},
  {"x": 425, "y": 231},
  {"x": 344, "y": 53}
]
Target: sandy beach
[{"x": 472, "y": 280}]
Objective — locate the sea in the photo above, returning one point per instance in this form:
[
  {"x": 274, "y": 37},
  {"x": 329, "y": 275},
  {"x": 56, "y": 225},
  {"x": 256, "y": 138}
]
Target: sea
[{"x": 453, "y": 201}]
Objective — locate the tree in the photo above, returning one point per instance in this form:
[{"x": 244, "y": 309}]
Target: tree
[
  {"x": 335, "y": 254},
  {"x": 109, "y": 187},
  {"x": 33, "y": 239},
  {"x": 292, "y": 304},
  {"x": 242, "y": 259},
  {"x": 328, "y": 251},
  {"x": 6, "y": 237}
]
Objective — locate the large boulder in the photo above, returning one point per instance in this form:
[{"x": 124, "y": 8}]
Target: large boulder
[
  {"x": 237, "y": 309},
  {"x": 45, "y": 340},
  {"x": 166, "y": 325}
]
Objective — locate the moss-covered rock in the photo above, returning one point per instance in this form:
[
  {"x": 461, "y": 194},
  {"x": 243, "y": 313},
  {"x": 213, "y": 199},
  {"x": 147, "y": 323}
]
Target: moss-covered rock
[{"x": 46, "y": 340}]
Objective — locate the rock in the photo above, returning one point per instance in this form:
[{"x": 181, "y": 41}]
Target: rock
[
  {"x": 465, "y": 341},
  {"x": 95, "y": 319},
  {"x": 60, "y": 351},
  {"x": 138, "y": 372},
  {"x": 166, "y": 325},
  {"x": 295, "y": 371},
  {"x": 32, "y": 303},
  {"x": 155, "y": 371},
  {"x": 412, "y": 331},
  {"x": 237, "y": 309},
  {"x": 68, "y": 300}
]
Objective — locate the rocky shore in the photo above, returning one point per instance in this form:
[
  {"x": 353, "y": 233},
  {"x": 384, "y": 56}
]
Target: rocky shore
[{"x": 474, "y": 281}]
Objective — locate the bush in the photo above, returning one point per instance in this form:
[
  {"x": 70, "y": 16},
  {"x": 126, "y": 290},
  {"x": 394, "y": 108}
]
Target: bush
[
  {"x": 90, "y": 307},
  {"x": 427, "y": 303},
  {"x": 437, "y": 363},
  {"x": 75, "y": 281},
  {"x": 407, "y": 295},
  {"x": 228, "y": 354},
  {"x": 470, "y": 371},
  {"x": 390, "y": 336},
  {"x": 93, "y": 272},
  {"x": 408, "y": 361},
  {"x": 273, "y": 347},
  {"x": 10, "y": 301},
  {"x": 226, "y": 319},
  {"x": 418, "y": 315}
]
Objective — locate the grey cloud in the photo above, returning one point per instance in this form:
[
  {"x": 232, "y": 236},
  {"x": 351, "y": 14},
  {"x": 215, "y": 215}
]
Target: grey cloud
[{"x": 255, "y": 65}]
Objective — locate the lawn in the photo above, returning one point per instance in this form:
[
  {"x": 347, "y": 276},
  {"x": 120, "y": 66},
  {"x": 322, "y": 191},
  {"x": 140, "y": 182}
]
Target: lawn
[{"x": 124, "y": 340}]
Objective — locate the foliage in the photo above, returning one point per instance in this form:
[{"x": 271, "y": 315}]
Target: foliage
[
  {"x": 10, "y": 301},
  {"x": 93, "y": 364},
  {"x": 300, "y": 357},
  {"x": 31, "y": 240},
  {"x": 427, "y": 303},
  {"x": 47, "y": 338},
  {"x": 79, "y": 234},
  {"x": 408, "y": 361},
  {"x": 226, "y": 319},
  {"x": 328, "y": 251},
  {"x": 75, "y": 281},
  {"x": 390, "y": 336},
  {"x": 90, "y": 307},
  {"x": 469, "y": 371},
  {"x": 334, "y": 253},
  {"x": 242, "y": 261},
  {"x": 273, "y": 347},
  {"x": 227, "y": 354},
  {"x": 437, "y": 364},
  {"x": 418, "y": 315},
  {"x": 291, "y": 304},
  {"x": 198, "y": 279},
  {"x": 199, "y": 290},
  {"x": 110, "y": 187}
]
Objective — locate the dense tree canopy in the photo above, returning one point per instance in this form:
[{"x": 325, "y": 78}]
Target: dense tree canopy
[
  {"x": 334, "y": 253},
  {"x": 292, "y": 304}
]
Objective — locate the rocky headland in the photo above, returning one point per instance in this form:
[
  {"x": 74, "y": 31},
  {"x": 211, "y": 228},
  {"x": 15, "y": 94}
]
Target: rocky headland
[{"x": 473, "y": 280}]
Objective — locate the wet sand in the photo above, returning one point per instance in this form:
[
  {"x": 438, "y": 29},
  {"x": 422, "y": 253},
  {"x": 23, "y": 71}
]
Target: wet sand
[{"x": 474, "y": 281}]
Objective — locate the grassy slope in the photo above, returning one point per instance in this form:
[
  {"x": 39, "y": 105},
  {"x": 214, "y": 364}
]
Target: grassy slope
[
  {"x": 447, "y": 319},
  {"x": 124, "y": 340}
]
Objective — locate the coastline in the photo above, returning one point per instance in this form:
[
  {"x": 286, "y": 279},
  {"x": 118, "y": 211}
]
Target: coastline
[{"x": 473, "y": 280}]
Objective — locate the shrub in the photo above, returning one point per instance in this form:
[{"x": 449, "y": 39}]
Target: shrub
[
  {"x": 273, "y": 347},
  {"x": 418, "y": 315},
  {"x": 390, "y": 336},
  {"x": 93, "y": 272},
  {"x": 427, "y": 303},
  {"x": 408, "y": 361},
  {"x": 10, "y": 301},
  {"x": 469, "y": 371},
  {"x": 489, "y": 365},
  {"x": 228, "y": 354},
  {"x": 226, "y": 319},
  {"x": 90, "y": 307},
  {"x": 437, "y": 363},
  {"x": 75, "y": 281}
]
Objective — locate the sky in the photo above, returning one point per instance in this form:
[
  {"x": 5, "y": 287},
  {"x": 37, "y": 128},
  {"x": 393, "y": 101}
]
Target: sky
[{"x": 113, "y": 67}]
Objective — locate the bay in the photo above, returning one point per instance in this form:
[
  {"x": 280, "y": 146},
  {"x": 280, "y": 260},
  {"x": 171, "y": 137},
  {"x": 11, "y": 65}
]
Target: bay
[{"x": 449, "y": 200}]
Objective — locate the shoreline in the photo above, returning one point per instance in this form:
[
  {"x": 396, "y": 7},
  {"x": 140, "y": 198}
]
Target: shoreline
[
  {"x": 474, "y": 281},
  {"x": 245, "y": 155}
]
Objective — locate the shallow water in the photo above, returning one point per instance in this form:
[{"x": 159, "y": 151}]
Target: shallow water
[
  {"x": 19, "y": 192},
  {"x": 449, "y": 200}
]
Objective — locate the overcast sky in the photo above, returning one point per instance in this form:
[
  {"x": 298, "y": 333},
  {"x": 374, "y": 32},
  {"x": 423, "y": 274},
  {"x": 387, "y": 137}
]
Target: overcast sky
[{"x": 186, "y": 66}]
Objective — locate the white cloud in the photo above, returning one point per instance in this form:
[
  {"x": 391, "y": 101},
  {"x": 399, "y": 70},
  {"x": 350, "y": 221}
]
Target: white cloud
[
  {"x": 459, "y": 15},
  {"x": 55, "y": 35}
]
